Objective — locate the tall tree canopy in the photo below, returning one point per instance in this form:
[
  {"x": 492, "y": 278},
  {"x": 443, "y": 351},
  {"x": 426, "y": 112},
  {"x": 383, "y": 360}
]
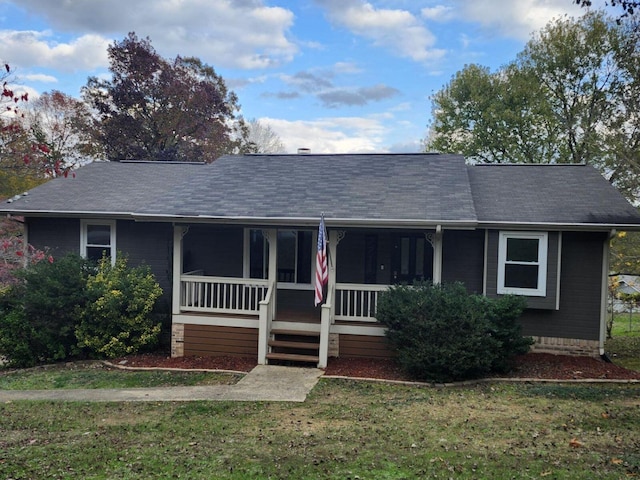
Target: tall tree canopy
[
  {"x": 158, "y": 109},
  {"x": 262, "y": 139},
  {"x": 64, "y": 124},
  {"x": 571, "y": 96},
  {"x": 22, "y": 161}
]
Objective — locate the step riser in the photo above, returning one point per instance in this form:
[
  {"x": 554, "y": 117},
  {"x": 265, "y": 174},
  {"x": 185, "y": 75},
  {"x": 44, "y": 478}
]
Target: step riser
[{"x": 294, "y": 346}]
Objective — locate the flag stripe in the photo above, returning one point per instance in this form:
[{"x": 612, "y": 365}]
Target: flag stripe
[{"x": 322, "y": 275}]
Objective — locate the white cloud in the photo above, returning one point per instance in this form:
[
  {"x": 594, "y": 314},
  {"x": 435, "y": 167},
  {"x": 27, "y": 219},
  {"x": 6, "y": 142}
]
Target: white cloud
[
  {"x": 438, "y": 13},
  {"x": 515, "y": 19},
  {"x": 397, "y": 30},
  {"x": 39, "y": 77},
  {"x": 329, "y": 135},
  {"x": 30, "y": 48},
  {"x": 237, "y": 34}
]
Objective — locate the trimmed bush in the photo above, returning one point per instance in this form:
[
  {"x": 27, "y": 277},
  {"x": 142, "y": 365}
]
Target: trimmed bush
[
  {"x": 117, "y": 319},
  {"x": 38, "y": 315},
  {"x": 441, "y": 333}
]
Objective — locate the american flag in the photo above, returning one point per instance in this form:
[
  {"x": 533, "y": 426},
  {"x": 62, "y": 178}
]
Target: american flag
[{"x": 322, "y": 275}]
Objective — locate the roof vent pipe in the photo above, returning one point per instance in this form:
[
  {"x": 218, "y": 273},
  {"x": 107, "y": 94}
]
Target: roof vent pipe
[{"x": 304, "y": 151}]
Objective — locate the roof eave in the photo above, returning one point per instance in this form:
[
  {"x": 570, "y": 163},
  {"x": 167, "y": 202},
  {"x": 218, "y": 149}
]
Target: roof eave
[{"x": 564, "y": 226}]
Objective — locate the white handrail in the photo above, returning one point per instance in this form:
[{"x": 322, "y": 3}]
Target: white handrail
[
  {"x": 201, "y": 293},
  {"x": 265, "y": 319},
  {"x": 357, "y": 302}
]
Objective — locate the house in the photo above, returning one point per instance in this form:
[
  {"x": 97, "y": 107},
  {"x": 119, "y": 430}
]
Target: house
[
  {"x": 624, "y": 286},
  {"x": 233, "y": 243}
]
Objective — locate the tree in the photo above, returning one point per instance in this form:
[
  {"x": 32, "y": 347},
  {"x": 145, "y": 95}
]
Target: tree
[
  {"x": 629, "y": 7},
  {"x": 158, "y": 109},
  {"x": 21, "y": 159},
  {"x": 569, "y": 97},
  {"x": 262, "y": 139},
  {"x": 63, "y": 123}
]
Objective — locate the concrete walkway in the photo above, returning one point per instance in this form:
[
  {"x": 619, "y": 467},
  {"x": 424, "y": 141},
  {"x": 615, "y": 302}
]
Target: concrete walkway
[{"x": 268, "y": 383}]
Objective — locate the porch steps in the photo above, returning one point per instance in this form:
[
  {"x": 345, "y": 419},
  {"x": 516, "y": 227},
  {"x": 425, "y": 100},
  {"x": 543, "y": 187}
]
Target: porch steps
[{"x": 294, "y": 346}]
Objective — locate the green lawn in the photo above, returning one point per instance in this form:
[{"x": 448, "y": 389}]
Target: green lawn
[
  {"x": 345, "y": 430},
  {"x": 97, "y": 375},
  {"x": 625, "y": 325}
]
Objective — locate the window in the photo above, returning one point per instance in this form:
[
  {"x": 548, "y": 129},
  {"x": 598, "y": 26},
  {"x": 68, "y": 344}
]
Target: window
[
  {"x": 295, "y": 254},
  {"x": 98, "y": 238},
  {"x": 522, "y": 263}
]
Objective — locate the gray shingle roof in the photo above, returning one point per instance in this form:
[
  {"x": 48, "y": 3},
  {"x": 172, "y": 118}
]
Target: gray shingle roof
[
  {"x": 557, "y": 194},
  {"x": 366, "y": 188}
]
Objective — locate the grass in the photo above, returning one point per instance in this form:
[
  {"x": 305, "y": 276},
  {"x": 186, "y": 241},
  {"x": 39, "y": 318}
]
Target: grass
[
  {"x": 97, "y": 375},
  {"x": 345, "y": 430},
  {"x": 624, "y": 346},
  {"x": 625, "y": 325}
]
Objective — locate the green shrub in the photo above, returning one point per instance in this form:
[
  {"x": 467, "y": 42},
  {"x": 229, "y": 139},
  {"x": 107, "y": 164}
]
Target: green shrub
[
  {"x": 38, "y": 315},
  {"x": 117, "y": 319},
  {"x": 441, "y": 333}
]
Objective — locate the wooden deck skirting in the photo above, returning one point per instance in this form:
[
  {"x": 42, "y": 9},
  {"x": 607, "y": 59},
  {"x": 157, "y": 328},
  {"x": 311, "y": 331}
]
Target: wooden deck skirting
[
  {"x": 364, "y": 346},
  {"x": 209, "y": 340}
]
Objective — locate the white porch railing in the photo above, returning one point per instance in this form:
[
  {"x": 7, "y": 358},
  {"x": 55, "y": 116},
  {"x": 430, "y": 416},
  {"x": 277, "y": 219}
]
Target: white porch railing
[
  {"x": 200, "y": 293},
  {"x": 357, "y": 302},
  {"x": 265, "y": 319}
]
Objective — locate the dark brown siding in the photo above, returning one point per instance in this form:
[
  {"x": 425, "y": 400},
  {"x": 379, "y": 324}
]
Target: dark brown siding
[
  {"x": 364, "y": 346},
  {"x": 59, "y": 235},
  {"x": 463, "y": 258},
  {"x": 581, "y": 273},
  {"x": 216, "y": 250},
  {"x": 212, "y": 341}
]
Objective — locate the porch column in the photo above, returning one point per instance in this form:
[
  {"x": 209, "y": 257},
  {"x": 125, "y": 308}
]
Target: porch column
[
  {"x": 272, "y": 238},
  {"x": 437, "y": 255},
  {"x": 178, "y": 233}
]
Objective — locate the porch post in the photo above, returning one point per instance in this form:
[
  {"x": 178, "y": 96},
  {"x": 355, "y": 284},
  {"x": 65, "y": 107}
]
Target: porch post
[
  {"x": 268, "y": 309},
  {"x": 178, "y": 233},
  {"x": 331, "y": 283},
  {"x": 272, "y": 236},
  {"x": 437, "y": 255}
]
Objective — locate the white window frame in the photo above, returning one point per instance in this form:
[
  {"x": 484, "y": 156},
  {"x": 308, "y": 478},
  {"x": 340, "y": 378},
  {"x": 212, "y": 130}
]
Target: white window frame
[
  {"x": 112, "y": 237},
  {"x": 543, "y": 249}
]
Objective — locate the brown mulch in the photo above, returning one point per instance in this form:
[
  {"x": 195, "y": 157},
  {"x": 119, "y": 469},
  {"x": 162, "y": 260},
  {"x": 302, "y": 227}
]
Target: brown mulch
[{"x": 531, "y": 365}]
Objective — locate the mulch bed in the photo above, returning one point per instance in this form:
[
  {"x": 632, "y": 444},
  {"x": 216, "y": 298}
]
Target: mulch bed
[{"x": 531, "y": 365}]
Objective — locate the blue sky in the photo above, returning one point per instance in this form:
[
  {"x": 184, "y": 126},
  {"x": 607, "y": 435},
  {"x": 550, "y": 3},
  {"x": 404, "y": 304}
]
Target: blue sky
[{"x": 335, "y": 76}]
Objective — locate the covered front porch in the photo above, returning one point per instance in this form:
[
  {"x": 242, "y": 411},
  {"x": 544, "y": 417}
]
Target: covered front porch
[{"x": 249, "y": 291}]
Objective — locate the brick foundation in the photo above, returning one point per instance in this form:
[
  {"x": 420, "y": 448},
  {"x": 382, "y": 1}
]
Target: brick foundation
[
  {"x": 177, "y": 340},
  {"x": 566, "y": 346}
]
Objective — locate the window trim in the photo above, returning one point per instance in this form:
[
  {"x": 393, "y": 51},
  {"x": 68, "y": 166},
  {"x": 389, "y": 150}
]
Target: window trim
[
  {"x": 112, "y": 237},
  {"x": 543, "y": 252},
  {"x": 288, "y": 285}
]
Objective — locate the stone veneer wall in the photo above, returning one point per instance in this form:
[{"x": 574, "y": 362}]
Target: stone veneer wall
[
  {"x": 177, "y": 340},
  {"x": 566, "y": 346}
]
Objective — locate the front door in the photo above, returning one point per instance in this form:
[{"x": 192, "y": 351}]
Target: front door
[{"x": 412, "y": 259}]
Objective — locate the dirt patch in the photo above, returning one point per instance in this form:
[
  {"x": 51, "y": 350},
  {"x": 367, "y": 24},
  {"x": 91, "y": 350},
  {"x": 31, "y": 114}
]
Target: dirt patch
[{"x": 531, "y": 365}]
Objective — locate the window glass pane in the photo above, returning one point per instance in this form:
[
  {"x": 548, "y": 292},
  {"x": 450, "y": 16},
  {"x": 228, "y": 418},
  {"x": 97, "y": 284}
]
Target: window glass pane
[
  {"x": 404, "y": 255},
  {"x": 286, "y": 256},
  {"x": 522, "y": 249},
  {"x": 521, "y": 276},
  {"x": 96, "y": 253},
  {"x": 257, "y": 254},
  {"x": 98, "y": 235},
  {"x": 304, "y": 256},
  {"x": 420, "y": 257}
]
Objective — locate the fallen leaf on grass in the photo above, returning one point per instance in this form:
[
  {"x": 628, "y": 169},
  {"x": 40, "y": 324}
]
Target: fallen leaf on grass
[
  {"x": 575, "y": 443},
  {"x": 617, "y": 461}
]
